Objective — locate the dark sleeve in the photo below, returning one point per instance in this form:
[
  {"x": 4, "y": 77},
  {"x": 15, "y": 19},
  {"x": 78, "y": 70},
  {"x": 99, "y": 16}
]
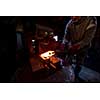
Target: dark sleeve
[{"x": 89, "y": 33}]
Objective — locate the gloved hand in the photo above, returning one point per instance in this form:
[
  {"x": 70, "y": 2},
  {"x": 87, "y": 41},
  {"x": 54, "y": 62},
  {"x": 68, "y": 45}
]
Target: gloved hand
[{"x": 74, "y": 48}]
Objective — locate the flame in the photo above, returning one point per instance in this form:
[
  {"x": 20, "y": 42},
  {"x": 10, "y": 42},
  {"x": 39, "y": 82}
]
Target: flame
[{"x": 47, "y": 55}]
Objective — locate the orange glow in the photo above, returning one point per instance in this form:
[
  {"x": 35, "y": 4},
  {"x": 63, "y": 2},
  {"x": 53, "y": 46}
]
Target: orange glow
[{"x": 47, "y": 55}]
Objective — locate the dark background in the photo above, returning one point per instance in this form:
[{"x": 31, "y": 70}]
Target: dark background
[{"x": 8, "y": 40}]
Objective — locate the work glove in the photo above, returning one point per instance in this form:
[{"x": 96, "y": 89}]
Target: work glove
[{"x": 74, "y": 48}]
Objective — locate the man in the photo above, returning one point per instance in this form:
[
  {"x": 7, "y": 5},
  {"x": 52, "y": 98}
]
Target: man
[{"x": 79, "y": 33}]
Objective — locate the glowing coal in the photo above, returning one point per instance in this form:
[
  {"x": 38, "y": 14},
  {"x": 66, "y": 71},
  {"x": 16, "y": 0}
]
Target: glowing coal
[{"x": 47, "y": 55}]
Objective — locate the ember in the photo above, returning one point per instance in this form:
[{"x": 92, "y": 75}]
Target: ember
[{"x": 47, "y": 55}]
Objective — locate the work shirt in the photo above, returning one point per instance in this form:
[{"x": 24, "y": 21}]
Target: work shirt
[{"x": 81, "y": 32}]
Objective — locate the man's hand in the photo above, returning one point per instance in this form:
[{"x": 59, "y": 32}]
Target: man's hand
[{"x": 74, "y": 48}]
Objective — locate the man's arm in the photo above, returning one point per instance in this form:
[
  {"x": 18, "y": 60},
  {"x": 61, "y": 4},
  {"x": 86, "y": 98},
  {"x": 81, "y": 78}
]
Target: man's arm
[{"x": 67, "y": 33}]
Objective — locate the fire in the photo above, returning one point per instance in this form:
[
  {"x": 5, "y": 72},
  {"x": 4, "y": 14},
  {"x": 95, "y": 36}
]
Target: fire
[{"x": 47, "y": 55}]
